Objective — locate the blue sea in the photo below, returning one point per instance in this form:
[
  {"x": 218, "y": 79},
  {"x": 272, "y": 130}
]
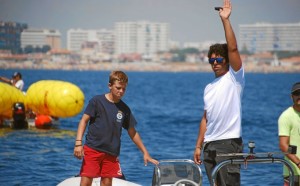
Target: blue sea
[{"x": 168, "y": 107}]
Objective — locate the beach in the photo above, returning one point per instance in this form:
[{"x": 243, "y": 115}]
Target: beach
[{"x": 144, "y": 66}]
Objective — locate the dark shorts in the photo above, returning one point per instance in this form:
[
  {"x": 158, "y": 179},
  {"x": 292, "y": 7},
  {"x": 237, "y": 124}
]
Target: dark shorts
[{"x": 228, "y": 175}]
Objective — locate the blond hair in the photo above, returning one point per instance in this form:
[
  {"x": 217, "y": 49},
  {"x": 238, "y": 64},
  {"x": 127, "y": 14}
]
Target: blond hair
[{"x": 118, "y": 76}]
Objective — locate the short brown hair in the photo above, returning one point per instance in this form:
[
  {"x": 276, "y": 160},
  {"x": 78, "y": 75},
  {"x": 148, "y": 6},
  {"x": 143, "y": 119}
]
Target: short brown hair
[
  {"x": 118, "y": 76},
  {"x": 219, "y": 49}
]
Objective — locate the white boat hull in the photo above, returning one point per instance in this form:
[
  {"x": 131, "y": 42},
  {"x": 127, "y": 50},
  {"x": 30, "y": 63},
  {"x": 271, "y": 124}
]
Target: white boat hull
[{"x": 75, "y": 181}]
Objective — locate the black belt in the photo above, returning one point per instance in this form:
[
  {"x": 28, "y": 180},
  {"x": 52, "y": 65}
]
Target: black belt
[{"x": 227, "y": 141}]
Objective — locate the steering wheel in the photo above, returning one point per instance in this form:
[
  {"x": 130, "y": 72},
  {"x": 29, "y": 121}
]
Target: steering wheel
[{"x": 190, "y": 182}]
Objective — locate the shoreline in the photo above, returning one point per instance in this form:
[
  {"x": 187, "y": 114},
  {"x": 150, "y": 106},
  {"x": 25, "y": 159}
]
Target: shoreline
[{"x": 143, "y": 67}]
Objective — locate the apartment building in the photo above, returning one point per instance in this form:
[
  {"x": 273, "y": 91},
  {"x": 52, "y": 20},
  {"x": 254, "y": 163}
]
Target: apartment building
[
  {"x": 77, "y": 38},
  {"x": 41, "y": 37},
  {"x": 262, "y": 37},
  {"x": 10, "y": 36},
  {"x": 143, "y": 37}
]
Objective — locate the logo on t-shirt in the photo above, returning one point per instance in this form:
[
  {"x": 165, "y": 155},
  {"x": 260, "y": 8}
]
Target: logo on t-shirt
[{"x": 119, "y": 116}]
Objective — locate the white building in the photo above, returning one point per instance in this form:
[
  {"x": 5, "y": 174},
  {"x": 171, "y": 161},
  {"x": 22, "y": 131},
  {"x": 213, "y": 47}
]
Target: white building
[
  {"x": 41, "y": 37},
  {"x": 77, "y": 37},
  {"x": 145, "y": 38},
  {"x": 173, "y": 45},
  {"x": 261, "y": 37}
]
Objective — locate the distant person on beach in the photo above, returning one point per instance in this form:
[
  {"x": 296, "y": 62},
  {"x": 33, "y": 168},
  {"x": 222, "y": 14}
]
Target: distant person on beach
[
  {"x": 220, "y": 128},
  {"x": 16, "y": 80},
  {"x": 289, "y": 134},
  {"x": 107, "y": 114}
]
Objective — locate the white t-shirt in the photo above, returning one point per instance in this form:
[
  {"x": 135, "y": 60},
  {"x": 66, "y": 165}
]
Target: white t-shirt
[
  {"x": 20, "y": 84},
  {"x": 222, "y": 102}
]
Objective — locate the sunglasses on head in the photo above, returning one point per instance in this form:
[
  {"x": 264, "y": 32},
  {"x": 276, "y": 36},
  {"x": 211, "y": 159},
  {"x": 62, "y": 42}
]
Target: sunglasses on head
[{"x": 218, "y": 59}]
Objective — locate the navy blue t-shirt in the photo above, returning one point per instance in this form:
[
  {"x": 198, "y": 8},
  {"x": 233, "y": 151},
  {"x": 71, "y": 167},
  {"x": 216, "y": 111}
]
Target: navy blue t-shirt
[{"x": 105, "y": 127}]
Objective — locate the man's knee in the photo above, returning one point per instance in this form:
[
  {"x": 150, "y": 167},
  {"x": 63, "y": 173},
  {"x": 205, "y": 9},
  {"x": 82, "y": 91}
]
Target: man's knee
[
  {"x": 86, "y": 181},
  {"x": 106, "y": 181}
]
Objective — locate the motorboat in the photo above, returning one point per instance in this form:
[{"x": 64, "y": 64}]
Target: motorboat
[
  {"x": 75, "y": 181},
  {"x": 184, "y": 172},
  {"x": 173, "y": 172}
]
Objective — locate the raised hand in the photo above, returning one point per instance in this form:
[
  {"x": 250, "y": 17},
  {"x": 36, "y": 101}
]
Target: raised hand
[{"x": 226, "y": 10}]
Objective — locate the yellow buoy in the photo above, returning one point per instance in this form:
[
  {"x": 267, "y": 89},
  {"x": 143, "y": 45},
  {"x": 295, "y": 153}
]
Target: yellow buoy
[
  {"x": 56, "y": 98},
  {"x": 8, "y": 96}
]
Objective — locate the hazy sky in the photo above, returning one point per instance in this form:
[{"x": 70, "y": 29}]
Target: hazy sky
[{"x": 190, "y": 20}]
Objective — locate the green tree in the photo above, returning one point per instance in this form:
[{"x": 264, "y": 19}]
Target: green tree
[
  {"x": 28, "y": 49},
  {"x": 180, "y": 54},
  {"x": 38, "y": 49},
  {"x": 46, "y": 48}
]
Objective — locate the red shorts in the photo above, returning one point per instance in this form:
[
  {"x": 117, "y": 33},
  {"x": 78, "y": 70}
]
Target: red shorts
[{"x": 99, "y": 164}]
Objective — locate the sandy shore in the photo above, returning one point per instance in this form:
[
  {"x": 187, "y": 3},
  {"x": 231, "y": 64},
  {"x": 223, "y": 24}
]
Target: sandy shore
[{"x": 144, "y": 66}]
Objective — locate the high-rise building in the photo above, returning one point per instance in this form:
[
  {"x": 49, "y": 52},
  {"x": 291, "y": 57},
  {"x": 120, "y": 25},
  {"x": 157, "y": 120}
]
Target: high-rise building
[
  {"x": 40, "y": 38},
  {"x": 145, "y": 38},
  {"x": 76, "y": 38},
  {"x": 106, "y": 41},
  {"x": 10, "y": 36},
  {"x": 261, "y": 37}
]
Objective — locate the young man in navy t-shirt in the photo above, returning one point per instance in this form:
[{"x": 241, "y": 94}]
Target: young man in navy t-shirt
[{"x": 107, "y": 114}]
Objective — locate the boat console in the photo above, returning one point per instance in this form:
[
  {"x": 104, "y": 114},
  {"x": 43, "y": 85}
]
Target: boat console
[
  {"x": 177, "y": 172},
  {"x": 252, "y": 158}
]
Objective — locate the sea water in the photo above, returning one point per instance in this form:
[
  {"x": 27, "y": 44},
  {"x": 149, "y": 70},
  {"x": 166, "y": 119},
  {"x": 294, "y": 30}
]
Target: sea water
[{"x": 168, "y": 107}]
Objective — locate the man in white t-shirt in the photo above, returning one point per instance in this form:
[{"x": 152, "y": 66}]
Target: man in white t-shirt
[
  {"x": 16, "y": 80},
  {"x": 220, "y": 127}
]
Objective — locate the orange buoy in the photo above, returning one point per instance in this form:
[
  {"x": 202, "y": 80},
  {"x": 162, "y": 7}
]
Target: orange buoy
[{"x": 43, "y": 121}]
